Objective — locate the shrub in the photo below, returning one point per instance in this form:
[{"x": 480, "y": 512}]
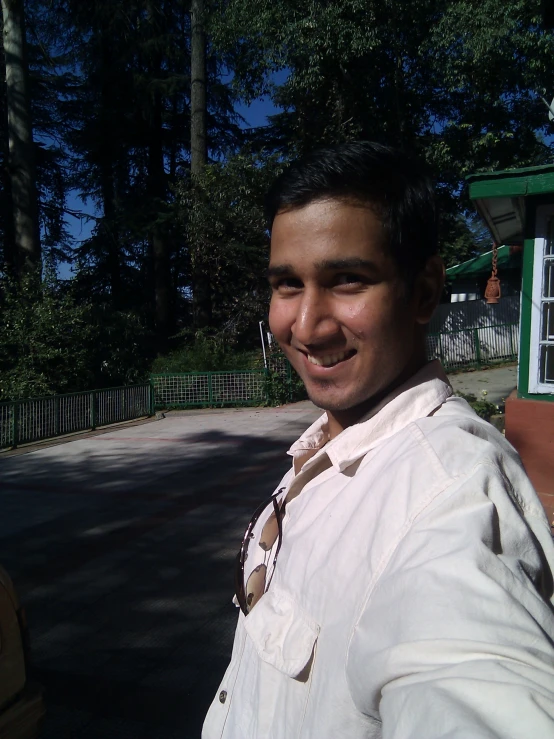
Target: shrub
[
  {"x": 484, "y": 408},
  {"x": 51, "y": 342},
  {"x": 206, "y": 351}
]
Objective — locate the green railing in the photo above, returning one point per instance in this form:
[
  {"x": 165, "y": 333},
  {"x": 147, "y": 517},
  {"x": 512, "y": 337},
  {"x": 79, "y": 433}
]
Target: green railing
[
  {"x": 36, "y": 419},
  {"x": 209, "y": 389},
  {"x": 474, "y": 347}
]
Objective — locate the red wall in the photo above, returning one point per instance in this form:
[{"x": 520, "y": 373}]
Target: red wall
[{"x": 530, "y": 429}]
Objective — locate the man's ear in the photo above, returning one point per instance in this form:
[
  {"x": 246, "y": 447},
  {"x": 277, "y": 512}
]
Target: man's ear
[{"x": 428, "y": 289}]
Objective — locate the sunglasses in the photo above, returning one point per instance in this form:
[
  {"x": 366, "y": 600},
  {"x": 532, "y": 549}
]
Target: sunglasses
[{"x": 249, "y": 593}]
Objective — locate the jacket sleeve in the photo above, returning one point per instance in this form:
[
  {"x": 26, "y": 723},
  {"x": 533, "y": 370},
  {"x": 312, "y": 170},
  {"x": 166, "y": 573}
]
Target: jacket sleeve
[{"x": 455, "y": 639}]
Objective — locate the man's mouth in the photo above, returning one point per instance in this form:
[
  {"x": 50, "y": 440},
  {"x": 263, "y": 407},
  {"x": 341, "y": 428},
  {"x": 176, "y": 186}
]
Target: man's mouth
[{"x": 328, "y": 360}]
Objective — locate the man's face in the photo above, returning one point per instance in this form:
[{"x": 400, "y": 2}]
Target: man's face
[{"x": 339, "y": 309}]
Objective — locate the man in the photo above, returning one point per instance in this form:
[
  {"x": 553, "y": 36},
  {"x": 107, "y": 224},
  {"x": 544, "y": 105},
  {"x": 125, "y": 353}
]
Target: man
[{"x": 398, "y": 584}]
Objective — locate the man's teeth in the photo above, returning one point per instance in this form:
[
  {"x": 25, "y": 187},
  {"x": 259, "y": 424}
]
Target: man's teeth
[{"x": 328, "y": 359}]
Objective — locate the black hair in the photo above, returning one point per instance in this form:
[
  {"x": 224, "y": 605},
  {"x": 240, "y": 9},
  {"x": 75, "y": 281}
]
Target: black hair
[{"x": 392, "y": 184}]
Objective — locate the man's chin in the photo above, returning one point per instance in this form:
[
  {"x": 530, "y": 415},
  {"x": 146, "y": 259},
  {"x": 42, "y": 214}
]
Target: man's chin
[{"x": 327, "y": 402}]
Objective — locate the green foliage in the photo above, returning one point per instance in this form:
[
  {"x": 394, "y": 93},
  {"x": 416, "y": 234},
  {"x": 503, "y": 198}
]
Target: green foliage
[
  {"x": 43, "y": 340},
  {"x": 468, "y": 237},
  {"x": 284, "y": 388},
  {"x": 283, "y": 383},
  {"x": 206, "y": 352},
  {"x": 223, "y": 218},
  {"x": 456, "y": 81},
  {"x": 484, "y": 408},
  {"x": 52, "y": 343},
  {"x": 122, "y": 347}
]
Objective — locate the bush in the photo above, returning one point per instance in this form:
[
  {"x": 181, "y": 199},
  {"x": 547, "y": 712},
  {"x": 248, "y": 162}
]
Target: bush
[
  {"x": 43, "y": 339},
  {"x": 283, "y": 383},
  {"x": 283, "y": 389},
  {"x": 484, "y": 408},
  {"x": 207, "y": 352},
  {"x": 52, "y": 343},
  {"x": 122, "y": 350}
]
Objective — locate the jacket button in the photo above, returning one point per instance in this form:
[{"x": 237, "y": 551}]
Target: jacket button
[{"x": 223, "y": 696}]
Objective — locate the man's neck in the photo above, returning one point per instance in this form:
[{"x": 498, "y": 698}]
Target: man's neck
[{"x": 337, "y": 421}]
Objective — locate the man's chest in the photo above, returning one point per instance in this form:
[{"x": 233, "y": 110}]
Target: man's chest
[{"x": 339, "y": 532}]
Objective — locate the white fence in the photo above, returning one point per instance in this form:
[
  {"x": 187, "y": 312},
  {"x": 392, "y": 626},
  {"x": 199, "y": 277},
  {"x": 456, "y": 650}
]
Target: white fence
[
  {"x": 474, "y": 333},
  {"x": 474, "y": 314}
]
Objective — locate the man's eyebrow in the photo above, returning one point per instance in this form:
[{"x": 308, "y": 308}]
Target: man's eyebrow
[
  {"x": 278, "y": 270},
  {"x": 353, "y": 263}
]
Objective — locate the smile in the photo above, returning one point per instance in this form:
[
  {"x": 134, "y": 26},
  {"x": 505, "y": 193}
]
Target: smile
[{"x": 328, "y": 360}]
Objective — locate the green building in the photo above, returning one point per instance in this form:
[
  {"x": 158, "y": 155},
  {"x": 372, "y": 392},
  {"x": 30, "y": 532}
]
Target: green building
[{"x": 518, "y": 208}]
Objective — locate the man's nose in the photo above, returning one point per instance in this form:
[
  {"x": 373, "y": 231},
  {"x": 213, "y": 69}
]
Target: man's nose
[{"x": 315, "y": 322}]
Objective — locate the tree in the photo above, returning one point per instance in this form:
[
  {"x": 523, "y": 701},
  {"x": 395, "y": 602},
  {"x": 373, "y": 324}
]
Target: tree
[
  {"x": 24, "y": 226},
  {"x": 453, "y": 81},
  {"x": 127, "y": 110},
  {"x": 222, "y": 212},
  {"x": 44, "y": 335}
]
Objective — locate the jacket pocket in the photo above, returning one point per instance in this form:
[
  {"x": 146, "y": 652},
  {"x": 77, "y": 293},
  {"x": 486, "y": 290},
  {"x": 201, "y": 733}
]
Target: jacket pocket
[{"x": 283, "y": 634}]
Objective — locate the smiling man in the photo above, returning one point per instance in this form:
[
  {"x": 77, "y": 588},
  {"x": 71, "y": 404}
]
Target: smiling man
[{"x": 398, "y": 582}]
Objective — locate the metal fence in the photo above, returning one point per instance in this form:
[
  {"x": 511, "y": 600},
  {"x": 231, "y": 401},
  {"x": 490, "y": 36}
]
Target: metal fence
[
  {"x": 474, "y": 347},
  {"x": 196, "y": 389},
  {"x": 35, "y": 419}
]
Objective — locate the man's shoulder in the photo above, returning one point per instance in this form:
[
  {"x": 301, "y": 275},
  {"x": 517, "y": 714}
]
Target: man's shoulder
[
  {"x": 463, "y": 440},
  {"x": 448, "y": 445}
]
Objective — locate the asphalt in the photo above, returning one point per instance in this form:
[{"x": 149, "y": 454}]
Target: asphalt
[
  {"x": 121, "y": 547},
  {"x": 122, "y": 544},
  {"x": 492, "y": 384}
]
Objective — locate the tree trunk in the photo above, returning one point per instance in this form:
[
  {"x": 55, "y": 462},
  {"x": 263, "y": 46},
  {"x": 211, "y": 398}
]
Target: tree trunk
[
  {"x": 198, "y": 136},
  {"x": 162, "y": 287},
  {"x": 156, "y": 187},
  {"x": 159, "y": 238},
  {"x": 21, "y": 160},
  {"x": 110, "y": 232},
  {"x": 109, "y": 226},
  {"x": 201, "y": 288}
]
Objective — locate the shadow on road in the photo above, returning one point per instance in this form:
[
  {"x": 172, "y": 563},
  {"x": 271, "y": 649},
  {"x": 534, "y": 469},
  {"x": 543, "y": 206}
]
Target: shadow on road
[{"x": 126, "y": 571}]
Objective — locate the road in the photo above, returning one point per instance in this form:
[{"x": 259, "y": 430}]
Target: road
[{"x": 122, "y": 546}]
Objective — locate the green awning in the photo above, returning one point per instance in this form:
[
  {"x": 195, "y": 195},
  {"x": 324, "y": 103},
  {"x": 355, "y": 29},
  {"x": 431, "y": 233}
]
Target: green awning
[
  {"x": 500, "y": 197},
  {"x": 481, "y": 266}
]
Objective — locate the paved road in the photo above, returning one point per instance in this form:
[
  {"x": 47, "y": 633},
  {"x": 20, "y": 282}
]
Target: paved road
[
  {"x": 121, "y": 546},
  {"x": 497, "y": 383}
]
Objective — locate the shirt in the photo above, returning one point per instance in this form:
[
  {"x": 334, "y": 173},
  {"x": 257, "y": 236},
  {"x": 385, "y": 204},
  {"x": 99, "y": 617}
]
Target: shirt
[{"x": 411, "y": 598}]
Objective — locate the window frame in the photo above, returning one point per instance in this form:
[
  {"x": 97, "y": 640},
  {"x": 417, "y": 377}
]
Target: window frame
[{"x": 544, "y": 216}]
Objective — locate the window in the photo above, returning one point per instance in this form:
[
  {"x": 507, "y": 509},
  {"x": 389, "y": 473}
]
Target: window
[{"x": 541, "y": 375}]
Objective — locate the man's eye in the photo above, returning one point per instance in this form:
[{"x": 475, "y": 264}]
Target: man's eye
[
  {"x": 347, "y": 279},
  {"x": 289, "y": 283}
]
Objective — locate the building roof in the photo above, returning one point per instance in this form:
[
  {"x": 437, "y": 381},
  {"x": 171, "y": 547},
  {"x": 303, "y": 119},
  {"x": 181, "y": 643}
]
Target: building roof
[
  {"x": 481, "y": 265},
  {"x": 512, "y": 182},
  {"x": 500, "y": 198}
]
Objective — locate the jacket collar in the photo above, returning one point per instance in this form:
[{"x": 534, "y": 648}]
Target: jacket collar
[{"x": 422, "y": 394}]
